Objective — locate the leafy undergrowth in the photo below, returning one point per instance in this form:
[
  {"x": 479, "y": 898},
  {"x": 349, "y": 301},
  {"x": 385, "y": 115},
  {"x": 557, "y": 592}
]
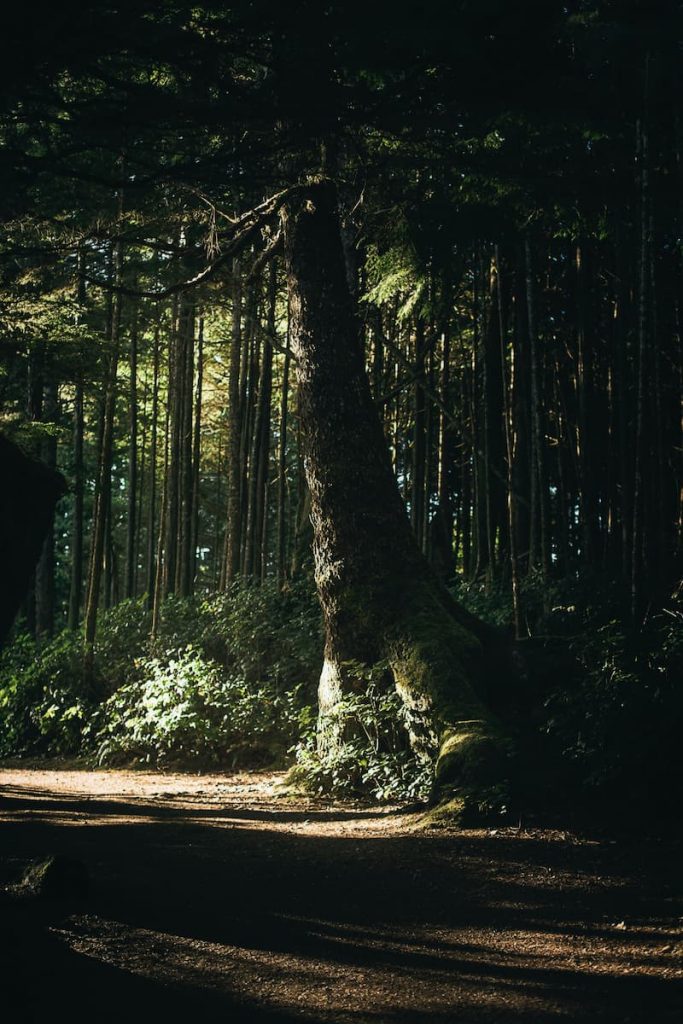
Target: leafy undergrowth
[
  {"x": 598, "y": 704},
  {"x": 228, "y": 682},
  {"x": 597, "y": 708},
  {"x": 375, "y": 757}
]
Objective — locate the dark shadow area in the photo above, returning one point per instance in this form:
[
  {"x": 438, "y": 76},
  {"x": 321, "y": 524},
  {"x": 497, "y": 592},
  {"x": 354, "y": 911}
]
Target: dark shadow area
[
  {"x": 93, "y": 806},
  {"x": 45, "y": 980},
  {"x": 30, "y": 491},
  {"x": 437, "y": 909}
]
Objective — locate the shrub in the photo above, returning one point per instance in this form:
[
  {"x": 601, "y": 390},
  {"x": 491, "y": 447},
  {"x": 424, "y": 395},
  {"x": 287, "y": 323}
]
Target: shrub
[
  {"x": 189, "y": 709},
  {"x": 43, "y": 701},
  {"x": 618, "y": 718},
  {"x": 375, "y": 759},
  {"x": 122, "y": 638},
  {"x": 232, "y": 680},
  {"x": 264, "y": 632},
  {"x": 601, "y": 702},
  {"x": 224, "y": 680}
]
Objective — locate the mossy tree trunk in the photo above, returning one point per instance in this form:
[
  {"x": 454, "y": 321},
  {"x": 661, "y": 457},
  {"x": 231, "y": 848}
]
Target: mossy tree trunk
[{"x": 381, "y": 601}]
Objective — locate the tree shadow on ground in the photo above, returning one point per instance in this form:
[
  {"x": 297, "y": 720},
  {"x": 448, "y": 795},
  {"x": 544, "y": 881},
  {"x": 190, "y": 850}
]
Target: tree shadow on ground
[{"x": 191, "y": 894}]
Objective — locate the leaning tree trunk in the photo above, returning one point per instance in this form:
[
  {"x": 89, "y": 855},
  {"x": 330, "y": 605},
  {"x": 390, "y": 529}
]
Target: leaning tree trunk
[{"x": 381, "y": 601}]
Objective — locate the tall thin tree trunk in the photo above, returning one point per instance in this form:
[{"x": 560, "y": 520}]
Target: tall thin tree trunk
[
  {"x": 76, "y": 584},
  {"x": 417, "y": 475},
  {"x": 76, "y": 581},
  {"x": 639, "y": 454},
  {"x": 263, "y": 420},
  {"x": 103, "y": 488},
  {"x": 131, "y": 553},
  {"x": 159, "y": 579},
  {"x": 509, "y": 449},
  {"x": 234, "y": 525},
  {"x": 45, "y": 570},
  {"x": 172, "y": 479},
  {"x": 197, "y": 450},
  {"x": 542, "y": 555},
  {"x": 185, "y": 475},
  {"x": 282, "y": 468},
  {"x": 150, "y": 573}
]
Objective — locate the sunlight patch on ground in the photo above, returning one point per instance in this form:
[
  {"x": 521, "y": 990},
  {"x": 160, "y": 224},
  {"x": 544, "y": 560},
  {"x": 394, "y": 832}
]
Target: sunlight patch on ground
[{"x": 315, "y": 984}]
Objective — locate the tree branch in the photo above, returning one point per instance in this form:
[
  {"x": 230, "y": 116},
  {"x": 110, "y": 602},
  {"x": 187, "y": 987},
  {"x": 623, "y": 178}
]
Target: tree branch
[{"x": 245, "y": 227}]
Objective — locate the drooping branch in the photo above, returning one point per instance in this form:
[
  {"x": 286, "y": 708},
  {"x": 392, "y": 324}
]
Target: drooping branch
[{"x": 244, "y": 229}]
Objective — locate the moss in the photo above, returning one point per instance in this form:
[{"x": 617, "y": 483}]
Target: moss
[
  {"x": 437, "y": 664},
  {"x": 451, "y": 813},
  {"x": 472, "y": 753},
  {"x": 468, "y": 807},
  {"x": 433, "y": 659}
]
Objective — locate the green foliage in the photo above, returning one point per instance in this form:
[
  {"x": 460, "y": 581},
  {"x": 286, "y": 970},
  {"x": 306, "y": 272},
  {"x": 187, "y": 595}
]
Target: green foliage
[
  {"x": 393, "y": 274},
  {"x": 225, "y": 681},
  {"x": 122, "y": 639},
  {"x": 606, "y": 699},
  {"x": 43, "y": 702},
  {"x": 263, "y": 632},
  {"x": 618, "y": 716},
  {"x": 188, "y": 709},
  {"x": 232, "y": 681},
  {"x": 374, "y": 758},
  {"x": 561, "y": 606}
]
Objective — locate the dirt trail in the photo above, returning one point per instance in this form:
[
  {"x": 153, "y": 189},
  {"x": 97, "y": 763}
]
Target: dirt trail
[{"x": 215, "y": 898}]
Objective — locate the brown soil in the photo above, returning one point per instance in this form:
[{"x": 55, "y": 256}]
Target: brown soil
[{"x": 214, "y": 897}]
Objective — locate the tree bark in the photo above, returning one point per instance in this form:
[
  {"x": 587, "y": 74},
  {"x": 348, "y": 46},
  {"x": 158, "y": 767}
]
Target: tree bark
[
  {"x": 197, "y": 452},
  {"x": 281, "y": 554},
  {"x": 380, "y": 599},
  {"x": 150, "y": 560},
  {"x": 76, "y": 585},
  {"x": 233, "y": 526},
  {"x": 102, "y": 509},
  {"x": 131, "y": 552},
  {"x": 45, "y": 570}
]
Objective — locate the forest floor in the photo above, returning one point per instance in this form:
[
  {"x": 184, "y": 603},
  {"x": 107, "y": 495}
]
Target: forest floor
[{"x": 215, "y": 897}]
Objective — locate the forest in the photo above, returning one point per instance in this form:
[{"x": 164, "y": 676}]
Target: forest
[{"x": 341, "y": 448}]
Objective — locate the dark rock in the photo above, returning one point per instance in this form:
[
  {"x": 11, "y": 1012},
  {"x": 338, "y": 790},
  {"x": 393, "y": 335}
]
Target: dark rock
[
  {"x": 56, "y": 878},
  {"x": 29, "y": 492}
]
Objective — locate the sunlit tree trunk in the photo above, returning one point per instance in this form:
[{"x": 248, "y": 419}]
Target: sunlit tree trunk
[
  {"x": 150, "y": 561},
  {"x": 76, "y": 584},
  {"x": 197, "y": 452},
  {"x": 233, "y": 525},
  {"x": 103, "y": 484},
  {"x": 510, "y": 460},
  {"x": 379, "y": 597},
  {"x": 131, "y": 517},
  {"x": 540, "y": 550},
  {"x": 45, "y": 570}
]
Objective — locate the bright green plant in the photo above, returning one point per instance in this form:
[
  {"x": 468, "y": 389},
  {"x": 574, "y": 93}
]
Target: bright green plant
[
  {"x": 189, "y": 709},
  {"x": 375, "y": 758}
]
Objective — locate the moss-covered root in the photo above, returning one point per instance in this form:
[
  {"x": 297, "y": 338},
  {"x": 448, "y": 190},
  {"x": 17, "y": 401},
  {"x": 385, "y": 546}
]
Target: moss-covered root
[
  {"x": 472, "y": 777},
  {"x": 472, "y": 753},
  {"x": 433, "y": 658}
]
